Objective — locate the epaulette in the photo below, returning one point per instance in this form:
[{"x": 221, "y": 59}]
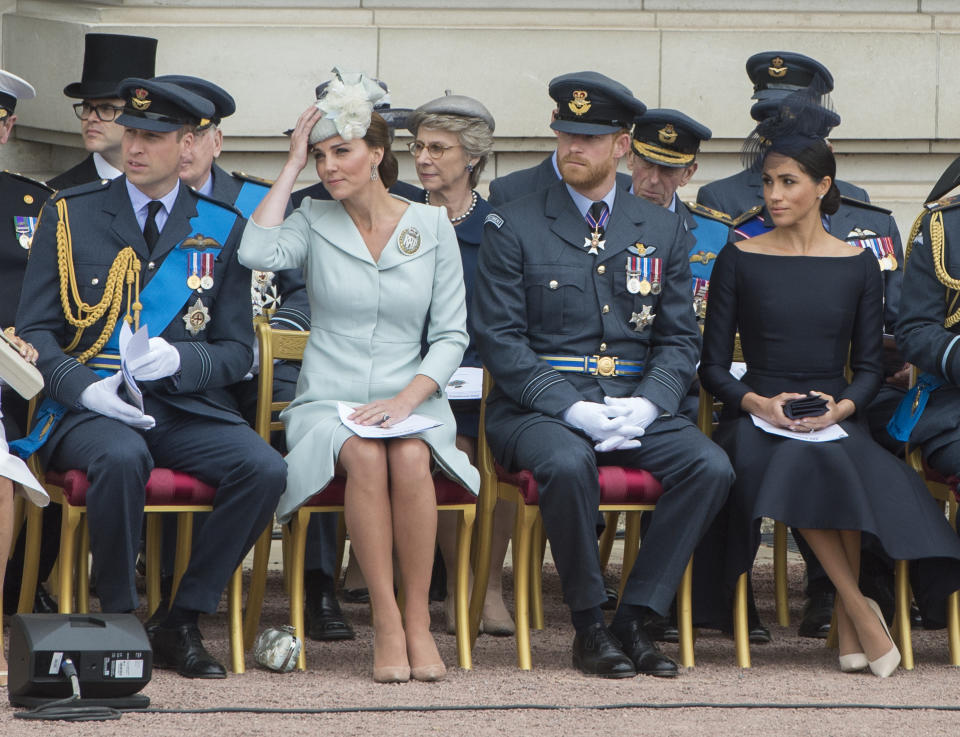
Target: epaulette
[
  {"x": 944, "y": 203},
  {"x": 243, "y": 176},
  {"x": 708, "y": 212},
  {"x": 95, "y": 186},
  {"x": 27, "y": 180},
  {"x": 221, "y": 203},
  {"x": 748, "y": 215},
  {"x": 854, "y": 202}
]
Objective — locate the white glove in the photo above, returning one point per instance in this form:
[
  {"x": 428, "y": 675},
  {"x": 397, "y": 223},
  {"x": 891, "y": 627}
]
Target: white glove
[
  {"x": 638, "y": 411},
  {"x": 619, "y": 442},
  {"x": 161, "y": 361},
  {"x": 101, "y": 397},
  {"x": 597, "y": 421}
]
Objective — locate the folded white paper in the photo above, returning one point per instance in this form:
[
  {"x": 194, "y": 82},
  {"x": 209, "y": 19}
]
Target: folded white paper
[
  {"x": 132, "y": 346},
  {"x": 411, "y": 426},
  {"x": 466, "y": 383},
  {"x": 831, "y": 432}
]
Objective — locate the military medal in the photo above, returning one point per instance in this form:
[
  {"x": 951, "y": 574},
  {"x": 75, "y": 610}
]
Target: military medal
[
  {"x": 644, "y": 286},
  {"x": 409, "y": 241},
  {"x": 700, "y": 287},
  {"x": 206, "y": 280},
  {"x": 24, "y": 227},
  {"x": 197, "y": 317},
  {"x": 193, "y": 268},
  {"x": 263, "y": 292},
  {"x": 643, "y": 319},
  {"x": 593, "y": 242},
  {"x": 882, "y": 247},
  {"x": 633, "y": 274},
  {"x": 656, "y": 282}
]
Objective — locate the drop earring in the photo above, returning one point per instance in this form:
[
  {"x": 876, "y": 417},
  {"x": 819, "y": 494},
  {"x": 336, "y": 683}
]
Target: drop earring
[{"x": 373, "y": 173}]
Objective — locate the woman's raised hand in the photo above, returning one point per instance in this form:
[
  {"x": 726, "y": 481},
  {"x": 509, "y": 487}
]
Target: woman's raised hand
[{"x": 299, "y": 146}]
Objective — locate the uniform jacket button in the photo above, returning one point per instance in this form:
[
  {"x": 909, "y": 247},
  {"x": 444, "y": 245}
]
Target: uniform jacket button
[
  {"x": 601, "y": 269},
  {"x": 553, "y": 284},
  {"x": 606, "y": 309},
  {"x": 603, "y": 347}
]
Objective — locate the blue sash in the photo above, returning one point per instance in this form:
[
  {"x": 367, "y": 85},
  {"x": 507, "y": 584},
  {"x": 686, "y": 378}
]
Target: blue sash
[
  {"x": 162, "y": 299},
  {"x": 711, "y": 237},
  {"x": 251, "y": 194},
  {"x": 908, "y": 412}
]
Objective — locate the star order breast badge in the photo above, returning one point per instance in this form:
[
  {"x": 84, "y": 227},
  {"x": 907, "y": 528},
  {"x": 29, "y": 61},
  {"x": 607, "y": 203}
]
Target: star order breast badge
[
  {"x": 197, "y": 317},
  {"x": 643, "y": 319}
]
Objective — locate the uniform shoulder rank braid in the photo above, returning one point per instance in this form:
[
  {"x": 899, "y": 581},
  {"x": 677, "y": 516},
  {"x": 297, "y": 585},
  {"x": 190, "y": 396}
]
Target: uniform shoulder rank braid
[
  {"x": 744, "y": 217},
  {"x": 250, "y": 178},
  {"x": 709, "y": 212},
  {"x": 124, "y": 272}
]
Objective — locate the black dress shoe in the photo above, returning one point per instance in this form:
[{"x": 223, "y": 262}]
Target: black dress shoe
[
  {"x": 160, "y": 613},
  {"x": 817, "y": 613},
  {"x": 43, "y": 603},
  {"x": 597, "y": 653},
  {"x": 182, "y": 648},
  {"x": 643, "y": 653},
  {"x": 324, "y": 619},
  {"x": 661, "y": 629}
]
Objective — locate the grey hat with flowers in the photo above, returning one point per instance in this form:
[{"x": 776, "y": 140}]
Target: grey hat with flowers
[{"x": 347, "y": 105}]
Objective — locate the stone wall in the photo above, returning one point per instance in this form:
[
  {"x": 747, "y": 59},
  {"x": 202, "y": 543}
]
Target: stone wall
[{"x": 893, "y": 61}]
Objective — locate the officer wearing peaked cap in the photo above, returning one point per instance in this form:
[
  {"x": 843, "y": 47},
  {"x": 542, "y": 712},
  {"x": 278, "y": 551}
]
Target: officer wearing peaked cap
[
  {"x": 582, "y": 316},
  {"x": 145, "y": 250},
  {"x": 774, "y": 75}
]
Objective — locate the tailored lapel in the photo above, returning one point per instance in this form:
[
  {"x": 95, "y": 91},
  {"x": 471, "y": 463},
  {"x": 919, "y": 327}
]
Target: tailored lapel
[
  {"x": 334, "y": 225},
  {"x": 841, "y": 222},
  {"x": 689, "y": 221},
  {"x": 392, "y": 255},
  {"x": 123, "y": 220},
  {"x": 623, "y": 227},
  {"x": 225, "y": 187},
  {"x": 567, "y": 223},
  {"x": 178, "y": 224}
]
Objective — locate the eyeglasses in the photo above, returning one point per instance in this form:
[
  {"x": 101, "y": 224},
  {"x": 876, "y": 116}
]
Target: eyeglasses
[
  {"x": 434, "y": 150},
  {"x": 105, "y": 111}
]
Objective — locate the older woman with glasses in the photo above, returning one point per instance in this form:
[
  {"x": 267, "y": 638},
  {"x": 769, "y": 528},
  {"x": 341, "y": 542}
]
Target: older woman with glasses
[{"x": 453, "y": 136}]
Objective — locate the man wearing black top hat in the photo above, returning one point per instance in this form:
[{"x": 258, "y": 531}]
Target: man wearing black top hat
[
  {"x": 174, "y": 254},
  {"x": 283, "y": 297},
  {"x": 108, "y": 58},
  {"x": 582, "y": 315},
  {"x": 395, "y": 117},
  {"x": 20, "y": 201}
]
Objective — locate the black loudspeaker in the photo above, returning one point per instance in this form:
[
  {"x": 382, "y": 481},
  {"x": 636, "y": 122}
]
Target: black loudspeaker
[{"x": 111, "y": 653}]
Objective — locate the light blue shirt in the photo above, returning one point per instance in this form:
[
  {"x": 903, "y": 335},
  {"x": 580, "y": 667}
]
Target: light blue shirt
[
  {"x": 139, "y": 201},
  {"x": 207, "y": 188},
  {"x": 583, "y": 203}
]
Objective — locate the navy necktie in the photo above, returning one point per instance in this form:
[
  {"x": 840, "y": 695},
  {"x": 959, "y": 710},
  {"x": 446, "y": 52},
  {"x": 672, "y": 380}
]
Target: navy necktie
[{"x": 151, "y": 233}]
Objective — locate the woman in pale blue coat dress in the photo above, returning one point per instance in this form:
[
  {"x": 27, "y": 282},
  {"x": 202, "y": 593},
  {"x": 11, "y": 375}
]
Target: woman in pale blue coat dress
[{"x": 378, "y": 269}]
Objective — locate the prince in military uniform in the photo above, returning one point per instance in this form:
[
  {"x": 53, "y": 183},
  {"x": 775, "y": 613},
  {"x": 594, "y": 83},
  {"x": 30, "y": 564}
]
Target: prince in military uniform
[
  {"x": 582, "y": 316},
  {"x": 147, "y": 248}
]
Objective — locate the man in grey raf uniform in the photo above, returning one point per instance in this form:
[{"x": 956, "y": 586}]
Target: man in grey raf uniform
[
  {"x": 147, "y": 247},
  {"x": 582, "y": 316}
]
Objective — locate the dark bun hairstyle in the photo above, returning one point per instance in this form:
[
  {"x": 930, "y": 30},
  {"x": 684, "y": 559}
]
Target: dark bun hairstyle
[{"x": 818, "y": 161}]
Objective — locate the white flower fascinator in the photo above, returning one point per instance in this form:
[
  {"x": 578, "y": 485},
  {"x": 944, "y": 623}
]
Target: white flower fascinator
[{"x": 346, "y": 106}]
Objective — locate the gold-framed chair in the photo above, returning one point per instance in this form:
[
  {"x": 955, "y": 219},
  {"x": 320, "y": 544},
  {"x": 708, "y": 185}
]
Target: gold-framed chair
[
  {"x": 632, "y": 491},
  {"x": 290, "y": 345}
]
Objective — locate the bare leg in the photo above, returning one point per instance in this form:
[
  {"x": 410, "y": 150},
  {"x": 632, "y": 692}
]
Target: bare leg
[
  {"x": 367, "y": 511},
  {"x": 832, "y": 548},
  {"x": 6, "y": 535},
  {"x": 414, "y": 504}
]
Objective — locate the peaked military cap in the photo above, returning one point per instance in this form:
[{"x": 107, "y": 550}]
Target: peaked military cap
[
  {"x": 108, "y": 59},
  {"x": 459, "y": 105},
  {"x": 668, "y": 137},
  {"x": 161, "y": 106},
  {"x": 592, "y": 104},
  {"x": 13, "y": 88},
  {"x": 223, "y": 103},
  {"x": 772, "y": 71}
]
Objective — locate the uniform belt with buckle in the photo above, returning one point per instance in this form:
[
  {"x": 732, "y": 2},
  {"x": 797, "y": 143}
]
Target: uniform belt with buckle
[{"x": 595, "y": 365}]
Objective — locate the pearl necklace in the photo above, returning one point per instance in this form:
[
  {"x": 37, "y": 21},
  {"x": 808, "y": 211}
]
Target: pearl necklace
[{"x": 465, "y": 215}]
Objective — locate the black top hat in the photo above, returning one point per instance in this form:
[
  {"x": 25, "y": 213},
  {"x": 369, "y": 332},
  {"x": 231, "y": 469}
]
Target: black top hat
[
  {"x": 223, "y": 103},
  {"x": 787, "y": 70},
  {"x": 161, "y": 106},
  {"x": 668, "y": 137},
  {"x": 592, "y": 104},
  {"x": 108, "y": 59}
]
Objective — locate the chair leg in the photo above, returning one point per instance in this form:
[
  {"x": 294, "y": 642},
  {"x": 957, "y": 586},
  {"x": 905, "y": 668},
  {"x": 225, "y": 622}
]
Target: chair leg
[
  {"x": 341, "y": 545},
  {"x": 901, "y": 619},
  {"x": 780, "y": 573},
  {"x": 235, "y": 616},
  {"x": 83, "y": 569},
  {"x": 741, "y": 633},
  {"x": 184, "y": 546},
  {"x": 685, "y": 616},
  {"x": 287, "y": 554},
  {"x": 258, "y": 585},
  {"x": 298, "y": 549},
  {"x": 522, "y": 564},
  {"x": 631, "y": 548},
  {"x": 154, "y": 554},
  {"x": 481, "y": 574},
  {"x": 465, "y": 522},
  {"x": 953, "y": 626},
  {"x": 68, "y": 554},
  {"x": 610, "y": 520},
  {"x": 538, "y": 548},
  {"x": 31, "y": 559}
]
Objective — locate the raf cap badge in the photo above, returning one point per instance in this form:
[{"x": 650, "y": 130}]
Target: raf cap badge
[
  {"x": 667, "y": 134},
  {"x": 139, "y": 99},
  {"x": 197, "y": 317},
  {"x": 409, "y": 241},
  {"x": 777, "y": 68},
  {"x": 579, "y": 105}
]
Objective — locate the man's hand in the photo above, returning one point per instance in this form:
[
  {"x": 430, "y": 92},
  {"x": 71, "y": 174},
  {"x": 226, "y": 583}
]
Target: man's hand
[
  {"x": 101, "y": 397},
  {"x": 159, "y": 362},
  {"x": 638, "y": 411},
  {"x": 603, "y": 425}
]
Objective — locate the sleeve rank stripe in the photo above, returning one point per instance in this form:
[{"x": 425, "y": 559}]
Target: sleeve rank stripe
[
  {"x": 532, "y": 387},
  {"x": 667, "y": 379},
  {"x": 543, "y": 387},
  {"x": 946, "y": 355}
]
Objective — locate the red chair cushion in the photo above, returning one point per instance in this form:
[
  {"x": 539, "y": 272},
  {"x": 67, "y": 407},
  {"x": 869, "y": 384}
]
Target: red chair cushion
[
  {"x": 448, "y": 492},
  {"x": 164, "y": 487},
  {"x": 951, "y": 481},
  {"x": 618, "y": 485}
]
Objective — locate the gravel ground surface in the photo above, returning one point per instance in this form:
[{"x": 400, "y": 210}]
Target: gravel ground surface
[{"x": 552, "y": 699}]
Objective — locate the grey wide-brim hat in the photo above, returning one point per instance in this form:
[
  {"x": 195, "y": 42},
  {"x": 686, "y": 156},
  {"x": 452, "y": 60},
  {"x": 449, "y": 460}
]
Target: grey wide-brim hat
[{"x": 458, "y": 105}]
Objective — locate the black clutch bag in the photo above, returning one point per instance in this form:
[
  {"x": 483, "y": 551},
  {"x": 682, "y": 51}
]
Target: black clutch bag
[{"x": 811, "y": 406}]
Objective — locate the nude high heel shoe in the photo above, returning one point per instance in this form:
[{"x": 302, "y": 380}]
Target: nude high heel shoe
[
  {"x": 887, "y": 663},
  {"x": 853, "y": 662}
]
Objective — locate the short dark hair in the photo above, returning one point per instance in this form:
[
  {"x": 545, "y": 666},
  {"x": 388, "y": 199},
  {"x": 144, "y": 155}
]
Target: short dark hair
[{"x": 378, "y": 136}]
